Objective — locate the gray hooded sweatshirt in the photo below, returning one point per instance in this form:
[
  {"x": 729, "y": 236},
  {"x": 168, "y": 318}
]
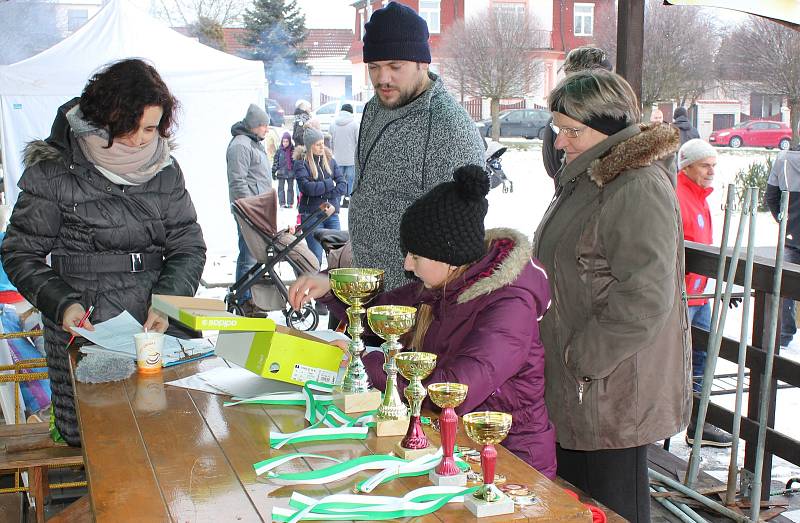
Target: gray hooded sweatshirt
[
  {"x": 401, "y": 154},
  {"x": 344, "y": 139}
]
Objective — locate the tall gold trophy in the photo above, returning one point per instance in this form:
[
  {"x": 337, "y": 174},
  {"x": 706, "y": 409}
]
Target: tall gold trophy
[
  {"x": 415, "y": 366},
  {"x": 355, "y": 287},
  {"x": 487, "y": 429},
  {"x": 448, "y": 396},
  {"x": 390, "y": 322}
]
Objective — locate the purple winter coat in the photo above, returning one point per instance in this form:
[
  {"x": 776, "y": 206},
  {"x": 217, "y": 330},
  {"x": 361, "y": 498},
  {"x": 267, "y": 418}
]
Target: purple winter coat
[{"x": 485, "y": 332}]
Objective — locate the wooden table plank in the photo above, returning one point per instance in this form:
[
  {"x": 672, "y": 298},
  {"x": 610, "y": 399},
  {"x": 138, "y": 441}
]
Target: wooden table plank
[
  {"x": 113, "y": 450},
  {"x": 555, "y": 505},
  {"x": 195, "y": 477},
  {"x": 199, "y": 456},
  {"x": 242, "y": 433}
]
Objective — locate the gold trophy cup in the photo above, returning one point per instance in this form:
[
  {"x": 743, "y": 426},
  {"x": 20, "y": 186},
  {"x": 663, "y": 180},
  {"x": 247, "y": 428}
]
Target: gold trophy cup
[
  {"x": 355, "y": 287},
  {"x": 487, "y": 429},
  {"x": 415, "y": 366},
  {"x": 447, "y": 396},
  {"x": 390, "y": 322}
]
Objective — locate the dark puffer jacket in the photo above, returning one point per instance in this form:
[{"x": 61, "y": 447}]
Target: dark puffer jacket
[{"x": 67, "y": 207}]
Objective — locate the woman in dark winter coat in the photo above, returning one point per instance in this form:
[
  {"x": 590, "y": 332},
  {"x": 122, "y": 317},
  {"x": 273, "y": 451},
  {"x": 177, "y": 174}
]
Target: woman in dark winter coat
[
  {"x": 106, "y": 200},
  {"x": 319, "y": 180},
  {"x": 616, "y": 336},
  {"x": 283, "y": 170},
  {"x": 479, "y": 299}
]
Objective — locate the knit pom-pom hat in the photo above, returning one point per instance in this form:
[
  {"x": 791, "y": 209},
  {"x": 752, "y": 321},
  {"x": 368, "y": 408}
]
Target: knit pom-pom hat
[{"x": 446, "y": 223}]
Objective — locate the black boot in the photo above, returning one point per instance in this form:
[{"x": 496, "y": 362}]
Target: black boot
[{"x": 712, "y": 436}]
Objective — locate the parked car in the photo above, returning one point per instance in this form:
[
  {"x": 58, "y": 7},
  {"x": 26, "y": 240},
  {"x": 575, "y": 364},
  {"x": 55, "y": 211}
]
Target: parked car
[
  {"x": 327, "y": 112},
  {"x": 275, "y": 112},
  {"x": 527, "y": 123},
  {"x": 756, "y": 133}
]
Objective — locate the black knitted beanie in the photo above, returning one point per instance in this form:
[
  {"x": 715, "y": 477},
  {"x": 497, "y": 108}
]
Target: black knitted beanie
[
  {"x": 446, "y": 223},
  {"x": 396, "y": 32}
]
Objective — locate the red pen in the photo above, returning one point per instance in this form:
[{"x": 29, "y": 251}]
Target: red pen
[{"x": 82, "y": 322}]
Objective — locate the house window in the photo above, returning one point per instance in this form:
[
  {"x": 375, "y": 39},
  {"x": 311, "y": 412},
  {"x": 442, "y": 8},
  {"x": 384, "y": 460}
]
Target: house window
[
  {"x": 584, "y": 19},
  {"x": 76, "y": 18},
  {"x": 430, "y": 11}
]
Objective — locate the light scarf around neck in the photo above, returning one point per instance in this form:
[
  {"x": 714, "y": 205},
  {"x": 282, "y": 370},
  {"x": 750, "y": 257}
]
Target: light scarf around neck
[{"x": 120, "y": 164}]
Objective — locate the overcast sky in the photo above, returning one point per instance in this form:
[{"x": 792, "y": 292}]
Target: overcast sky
[{"x": 328, "y": 14}]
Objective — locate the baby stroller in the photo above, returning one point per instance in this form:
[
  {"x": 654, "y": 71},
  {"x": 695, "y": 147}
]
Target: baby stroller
[
  {"x": 494, "y": 169},
  {"x": 257, "y": 218}
]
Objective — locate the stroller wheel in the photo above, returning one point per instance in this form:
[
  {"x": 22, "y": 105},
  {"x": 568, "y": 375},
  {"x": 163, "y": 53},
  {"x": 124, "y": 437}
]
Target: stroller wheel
[{"x": 305, "y": 319}]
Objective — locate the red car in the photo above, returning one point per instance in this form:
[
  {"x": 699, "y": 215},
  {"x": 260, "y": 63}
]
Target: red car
[{"x": 756, "y": 133}]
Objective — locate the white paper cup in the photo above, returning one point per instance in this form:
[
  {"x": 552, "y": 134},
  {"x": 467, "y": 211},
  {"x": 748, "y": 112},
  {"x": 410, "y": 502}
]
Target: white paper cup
[{"x": 149, "y": 346}]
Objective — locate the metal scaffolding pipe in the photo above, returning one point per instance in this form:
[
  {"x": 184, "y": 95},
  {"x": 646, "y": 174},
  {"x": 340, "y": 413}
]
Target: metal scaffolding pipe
[
  {"x": 763, "y": 408},
  {"x": 733, "y": 467},
  {"x": 682, "y": 506},
  {"x": 670, "y": 506},
  {"x": 715, "y": 333},
  {"x": 683, "y": 489}
]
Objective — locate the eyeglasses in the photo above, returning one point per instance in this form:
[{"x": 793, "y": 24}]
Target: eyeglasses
[{"x": 569, "y": 132}]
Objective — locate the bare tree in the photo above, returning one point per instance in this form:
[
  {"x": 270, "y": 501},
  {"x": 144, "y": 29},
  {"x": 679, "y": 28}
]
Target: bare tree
[
  {"x": 680, "y": 44},
  {"x": 765, "y": 53},
  {"x": 204, "y": 19},
  {"x": 490, "y": 56}
]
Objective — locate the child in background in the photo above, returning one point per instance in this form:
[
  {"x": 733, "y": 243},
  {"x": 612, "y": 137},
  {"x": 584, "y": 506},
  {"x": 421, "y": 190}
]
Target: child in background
[{"x": 282, "y": 170}]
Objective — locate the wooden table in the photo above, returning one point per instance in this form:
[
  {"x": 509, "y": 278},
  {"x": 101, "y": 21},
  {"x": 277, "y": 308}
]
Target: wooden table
[{"x": 164, "y": 453}]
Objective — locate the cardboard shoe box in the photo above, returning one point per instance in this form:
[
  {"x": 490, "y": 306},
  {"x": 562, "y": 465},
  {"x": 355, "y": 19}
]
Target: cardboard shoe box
[{"x": 257, "y": 344}]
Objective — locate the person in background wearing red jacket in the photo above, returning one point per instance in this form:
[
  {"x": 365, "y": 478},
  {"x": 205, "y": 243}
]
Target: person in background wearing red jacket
[{"x": 696, "y": 162}]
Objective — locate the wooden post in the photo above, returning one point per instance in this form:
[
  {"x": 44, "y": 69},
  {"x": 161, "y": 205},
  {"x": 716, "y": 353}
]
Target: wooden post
[{"x": 630, "y": 42}]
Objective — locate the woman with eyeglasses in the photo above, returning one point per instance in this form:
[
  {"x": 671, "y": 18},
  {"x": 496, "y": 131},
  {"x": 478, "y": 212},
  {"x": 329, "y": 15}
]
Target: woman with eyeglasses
[{"x": 616, "y": 338}]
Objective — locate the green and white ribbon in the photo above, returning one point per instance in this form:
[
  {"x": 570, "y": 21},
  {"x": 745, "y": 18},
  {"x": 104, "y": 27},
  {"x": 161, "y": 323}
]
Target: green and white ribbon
[
  {"x": 328, "y": 422},
  {"x": 336, "y": 472},
  {"x": 416, "y": 503},
  {"x": 406, "y": 468},
  {"x": 389, "y": 467}
]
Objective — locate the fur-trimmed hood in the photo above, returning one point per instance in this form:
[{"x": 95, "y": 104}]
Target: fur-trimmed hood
[
  {"x": 39, "y": 151},
  {"x": 300, "y": 153},
  {"x": 654, "y": 142},
  {"x": 488, "y": 275}
]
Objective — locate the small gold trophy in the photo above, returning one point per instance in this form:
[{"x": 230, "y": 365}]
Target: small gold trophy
[
  {"x": 355, "y": 287},
  {"x": 415, "y": 366},
  {"x": 488, "y": 428},
  {"x": 447, "y": 396},
  {"x": 390, "y": 322}
]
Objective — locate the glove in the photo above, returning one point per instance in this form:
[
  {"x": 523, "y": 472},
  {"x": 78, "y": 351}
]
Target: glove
[{"x": 734, "y": 303}]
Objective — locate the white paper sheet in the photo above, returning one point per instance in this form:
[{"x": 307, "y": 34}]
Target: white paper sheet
[
  {"x": 116, "y": 335},
  {"x": 233, "y": 381}
]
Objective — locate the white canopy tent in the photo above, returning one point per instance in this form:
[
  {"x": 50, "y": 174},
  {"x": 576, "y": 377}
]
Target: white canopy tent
[{"x": 213, "y": 88}]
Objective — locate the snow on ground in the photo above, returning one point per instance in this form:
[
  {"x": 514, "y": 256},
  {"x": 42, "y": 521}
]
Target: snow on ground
[{"x": 524, "y": 207}]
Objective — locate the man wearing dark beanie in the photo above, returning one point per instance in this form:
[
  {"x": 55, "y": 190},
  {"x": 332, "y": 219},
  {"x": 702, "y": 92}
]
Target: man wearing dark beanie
[{"x": 413, "y": 136}]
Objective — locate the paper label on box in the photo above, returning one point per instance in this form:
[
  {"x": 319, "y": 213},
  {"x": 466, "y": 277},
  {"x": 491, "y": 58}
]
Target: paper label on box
[{"x": 305, "y": 373}]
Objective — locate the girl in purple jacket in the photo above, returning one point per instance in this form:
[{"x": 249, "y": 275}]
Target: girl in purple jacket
[{"x": 479, "y": 298}]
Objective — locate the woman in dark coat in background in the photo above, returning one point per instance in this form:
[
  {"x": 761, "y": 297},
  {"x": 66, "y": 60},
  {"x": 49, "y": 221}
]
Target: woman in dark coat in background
[{"x": 106, "y": 200}]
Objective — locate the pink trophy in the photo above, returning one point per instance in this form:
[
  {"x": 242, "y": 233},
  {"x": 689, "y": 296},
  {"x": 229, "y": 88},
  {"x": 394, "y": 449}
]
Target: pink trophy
[
  {"x": 488, "y": 429},
  {"x": 447, "y": 396},
  {"x": 415, "y": 367}
]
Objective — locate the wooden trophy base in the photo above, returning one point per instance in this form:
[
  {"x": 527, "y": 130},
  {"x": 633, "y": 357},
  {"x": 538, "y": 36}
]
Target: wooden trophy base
[
  {"x": 391, "y": 427},
  {"x": 413, "y": 453},
  {"x": 482, "y": 509},
  {"x": 349, "y": 402},
  {"x": 457, "y": 480}
]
